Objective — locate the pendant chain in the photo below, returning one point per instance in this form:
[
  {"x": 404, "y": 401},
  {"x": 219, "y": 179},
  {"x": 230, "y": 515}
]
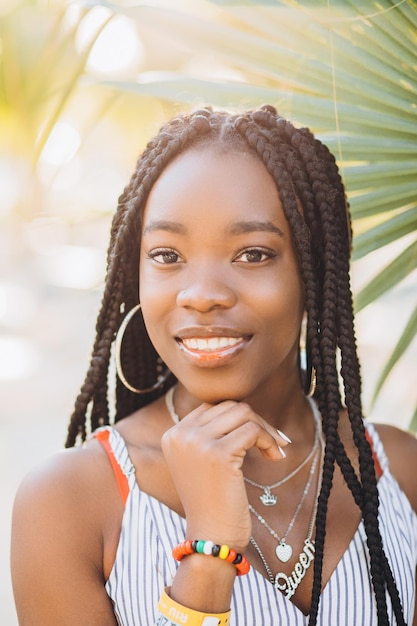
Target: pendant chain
[
  {"x": 289, "y": 583},
  {"x": 169, "y": 401},
  {"x": 297, "y": 510},
  {"x": 268, "y": 498}
]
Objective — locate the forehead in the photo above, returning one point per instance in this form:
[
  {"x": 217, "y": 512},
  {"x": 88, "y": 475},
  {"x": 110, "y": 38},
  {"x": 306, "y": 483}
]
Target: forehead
[{"x": 225, "y": 186}]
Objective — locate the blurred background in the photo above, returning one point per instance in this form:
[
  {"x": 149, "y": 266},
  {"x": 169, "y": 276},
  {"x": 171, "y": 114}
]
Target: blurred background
[{"x": 84, "y": 85}]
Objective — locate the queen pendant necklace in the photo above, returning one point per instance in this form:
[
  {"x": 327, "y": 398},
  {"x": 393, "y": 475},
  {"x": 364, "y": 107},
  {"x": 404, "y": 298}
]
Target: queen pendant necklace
[
  {"x": 288, "y": 583},
  {"x": 270, "y": 499},
  {"x": 284, "y": 550}
]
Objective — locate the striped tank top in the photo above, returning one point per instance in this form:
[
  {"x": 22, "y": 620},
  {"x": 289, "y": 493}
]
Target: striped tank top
[{"x": 144, "y": 565}]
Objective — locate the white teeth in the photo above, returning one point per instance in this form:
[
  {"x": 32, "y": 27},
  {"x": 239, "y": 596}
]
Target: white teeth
[{"x": 211, "y": 344}]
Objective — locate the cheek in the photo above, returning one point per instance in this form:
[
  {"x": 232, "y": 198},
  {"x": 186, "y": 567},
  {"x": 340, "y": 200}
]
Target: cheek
[
  {"x": 150, "y": 299},
  {"x": 283, "y": 311}
]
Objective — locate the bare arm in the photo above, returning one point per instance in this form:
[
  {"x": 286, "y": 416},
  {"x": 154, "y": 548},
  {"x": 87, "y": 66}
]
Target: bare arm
[{"x": 57, "y": 545}]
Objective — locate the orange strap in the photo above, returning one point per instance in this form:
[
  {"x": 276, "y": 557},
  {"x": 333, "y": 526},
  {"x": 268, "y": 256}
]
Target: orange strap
[
  {"x": 103, "y": 437},
  {"x": 378, "y": 468}
]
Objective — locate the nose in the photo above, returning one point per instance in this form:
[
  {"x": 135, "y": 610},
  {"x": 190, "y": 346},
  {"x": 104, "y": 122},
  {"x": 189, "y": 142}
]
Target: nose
[{"x": 207, "y": 290}]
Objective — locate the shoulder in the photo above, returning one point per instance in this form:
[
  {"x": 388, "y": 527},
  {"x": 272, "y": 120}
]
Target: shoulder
[
  {"x": 67, "y": 498},
  {"x": 68, "y": 475},
  {"x": 401, "y": 449},
  {"x": 64, "y": 512}
]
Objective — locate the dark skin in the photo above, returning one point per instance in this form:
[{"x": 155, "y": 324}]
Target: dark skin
[{"x": 203, "y": 278}]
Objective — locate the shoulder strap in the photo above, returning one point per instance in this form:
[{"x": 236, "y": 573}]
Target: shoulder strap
[
  {"x": 374, "y": 441},
  {"x": 103, "y": 436}
]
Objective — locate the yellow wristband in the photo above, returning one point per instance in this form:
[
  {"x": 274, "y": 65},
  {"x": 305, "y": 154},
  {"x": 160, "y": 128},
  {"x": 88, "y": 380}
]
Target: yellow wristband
[{"x": 183, "y": 616}]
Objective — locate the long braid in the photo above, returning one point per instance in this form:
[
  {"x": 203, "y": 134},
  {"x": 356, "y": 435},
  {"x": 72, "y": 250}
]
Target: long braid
[
  {"x": 333, "y": 241},
  {"x": 329, "y": 400},
  {"x": 306, "y": 175},
  {"x": 350, "y": 371},
  {"x": 350, "y": 374},
  {"x": 334, "y": 448}
]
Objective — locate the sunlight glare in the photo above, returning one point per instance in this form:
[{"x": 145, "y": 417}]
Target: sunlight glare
[
  {"x": 62, "y": 144},
  {"x": 74, "y": 267},
  {"x": 19, "y": 358},
  {"x": 10, "y": 185},
  {"x": 117, "y": 47}
]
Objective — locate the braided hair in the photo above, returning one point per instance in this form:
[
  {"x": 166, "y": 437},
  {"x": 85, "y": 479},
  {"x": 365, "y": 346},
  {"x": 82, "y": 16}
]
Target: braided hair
[{"x": 306, "y": 174}]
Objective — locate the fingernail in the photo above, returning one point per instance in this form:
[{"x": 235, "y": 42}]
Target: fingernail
[
  {"x": 282, "y": 452},
  {"x": 283, "y": 436}
]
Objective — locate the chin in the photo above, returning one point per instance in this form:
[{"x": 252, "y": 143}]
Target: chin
[{"x": 214, "y": 392}]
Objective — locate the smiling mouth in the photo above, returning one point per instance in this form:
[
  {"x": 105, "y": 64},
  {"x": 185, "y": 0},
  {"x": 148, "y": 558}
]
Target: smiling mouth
[
  {"x": 211, "y": 344},
  {"x": 212, "y": 351}
]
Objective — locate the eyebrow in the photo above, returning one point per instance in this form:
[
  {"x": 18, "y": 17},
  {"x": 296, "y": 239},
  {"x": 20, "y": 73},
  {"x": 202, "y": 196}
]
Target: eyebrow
[
  {"x": 240, "y": 228},
  {"x": 168, "y": 226}
]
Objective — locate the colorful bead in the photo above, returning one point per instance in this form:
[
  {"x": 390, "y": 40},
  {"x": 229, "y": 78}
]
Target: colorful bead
[
  {"x": 231, "y": 556},
  {"x": 200, "y": 546},
  {"x": 208, "y": 548},
  {"x": 224, "y": 551},
  {"x": 216, "y": 549}
]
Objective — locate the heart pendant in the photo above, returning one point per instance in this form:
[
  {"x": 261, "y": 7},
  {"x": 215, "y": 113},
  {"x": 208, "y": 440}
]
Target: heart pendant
[{"x": 283, "y": 551}]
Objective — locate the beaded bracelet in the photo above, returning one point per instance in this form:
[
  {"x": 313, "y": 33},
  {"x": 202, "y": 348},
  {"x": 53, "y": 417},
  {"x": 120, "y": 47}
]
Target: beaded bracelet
[
  {"x": 209, "y": 548},
  {"x": 177, "y": 614}
]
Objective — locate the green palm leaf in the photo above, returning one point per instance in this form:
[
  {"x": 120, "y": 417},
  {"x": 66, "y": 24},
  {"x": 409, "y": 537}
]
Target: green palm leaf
[
  {"x": 403, "y": 343},
  {"x": 387, "y": 278}
]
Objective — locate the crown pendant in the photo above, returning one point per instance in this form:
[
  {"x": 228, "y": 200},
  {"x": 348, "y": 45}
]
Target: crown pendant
[{"x": 268, "y": 498}]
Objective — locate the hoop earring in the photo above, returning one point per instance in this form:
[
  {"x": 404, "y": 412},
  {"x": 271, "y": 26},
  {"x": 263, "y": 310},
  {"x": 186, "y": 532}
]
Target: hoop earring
[
  {"x": 118, "y": 357},
  {"x": 313, "y": 383},
  {"x": 310, "y": 381}
]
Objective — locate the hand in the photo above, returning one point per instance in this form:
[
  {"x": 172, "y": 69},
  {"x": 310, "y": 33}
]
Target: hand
[{"x": 205, "y": 453}]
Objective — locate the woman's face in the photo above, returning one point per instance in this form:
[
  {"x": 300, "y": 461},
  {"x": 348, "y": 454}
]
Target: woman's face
[{"x": 219, "y": 282}]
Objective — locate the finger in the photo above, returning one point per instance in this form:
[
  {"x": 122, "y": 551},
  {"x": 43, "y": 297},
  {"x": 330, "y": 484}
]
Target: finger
[
  {"x": 249, "y": 429},
  {"x": 223, "y": 418},
  {"x": 248, "y": 435},
  {"x": 205, "y": 412}
]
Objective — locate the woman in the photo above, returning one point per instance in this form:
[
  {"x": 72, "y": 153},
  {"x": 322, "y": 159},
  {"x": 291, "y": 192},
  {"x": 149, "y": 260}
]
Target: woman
[{"x": 233, "y": 231}]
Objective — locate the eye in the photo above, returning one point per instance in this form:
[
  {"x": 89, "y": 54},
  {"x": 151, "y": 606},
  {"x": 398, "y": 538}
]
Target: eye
[
  {"x": 164, "y": 256},
  {"x": 254, "y": 255}
]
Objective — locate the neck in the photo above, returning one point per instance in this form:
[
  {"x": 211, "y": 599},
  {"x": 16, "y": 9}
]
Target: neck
[{"x": 288, "y": 410}]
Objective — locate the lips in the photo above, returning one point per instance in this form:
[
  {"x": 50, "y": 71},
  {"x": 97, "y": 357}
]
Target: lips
[{"x": 211, "y": 346}]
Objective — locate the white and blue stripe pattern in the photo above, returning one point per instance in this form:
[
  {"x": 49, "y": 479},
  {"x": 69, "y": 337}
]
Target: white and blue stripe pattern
[{"x": 144, "y": 564}]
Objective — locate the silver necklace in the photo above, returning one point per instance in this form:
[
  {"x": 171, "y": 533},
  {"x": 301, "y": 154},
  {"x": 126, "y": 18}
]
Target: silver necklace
[
  {"x": 284, "y": 550},
  {"x": 270, "y": 499},
  {"x": 169, "y": 401},
  {"x": 289, "y": 583}
]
